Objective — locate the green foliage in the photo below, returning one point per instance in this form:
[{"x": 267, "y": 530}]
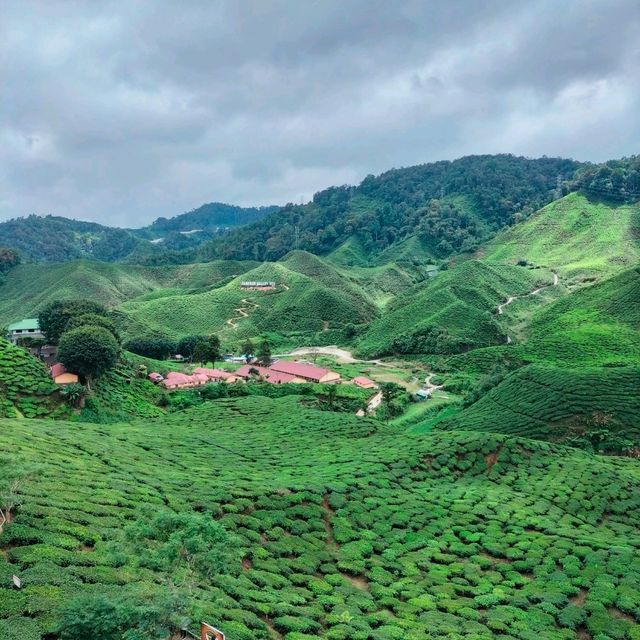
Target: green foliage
[
  {"x": 616, "y": 180},
  {"x": 74, "y": 394},
  {"x": 481, "y": 195},
  {"x": 117, "y": 617},
  {"x": 54, "y": 319},
  {"x": 594, "y": 408},
  {"x": 26, "y": 388},
  {"x": 453, "y": 313},
  {"x": 335, "y": 527},
  {"x": 156, "y": 346},
  {"x": 8, "y": 260},
  {"x": 95, "y": 320},
  {"x": 88, "y": 350},
  {"x": 581, "y": 239}
]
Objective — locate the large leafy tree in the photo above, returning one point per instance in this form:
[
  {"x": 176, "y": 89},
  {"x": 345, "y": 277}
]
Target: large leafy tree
[
  {"x": 207, "y": 349},
  {"x": 88, "y": 351},
  {"x": 264, "y": 353},
  {"x": 8, "y": 259},
  {"x": 158, "y": 347},
  {"x": 55, "y": 317}
]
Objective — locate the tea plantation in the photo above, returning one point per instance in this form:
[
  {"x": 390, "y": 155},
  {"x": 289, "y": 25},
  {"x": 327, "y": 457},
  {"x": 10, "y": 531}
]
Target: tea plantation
[
  {"x": 456, "y": 311},
  {"x": 335, "y": 527},
  {"x": 556, "y": 404},
  {"x": 26, "y": 390},
  {"x": 582, "y": 239}
]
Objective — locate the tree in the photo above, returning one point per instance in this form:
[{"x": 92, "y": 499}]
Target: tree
[
  {"x": 394, "y": 398},
  {"x": 114, "y": 617},
  {"x": 187, "y": 345},
  {"x": 188, "y": 546},
  {"x": 54, "y": 318},
  {"x": 8, "y": 259},
  {"x": 156, "y": 346},
  {"x": 247, "y": 349},
  {"x": 207, "y": 349},
  {"x": 264, "y": 354},
  {"x": 95, "y": 320},
  {"x": 88, "y": 351}
]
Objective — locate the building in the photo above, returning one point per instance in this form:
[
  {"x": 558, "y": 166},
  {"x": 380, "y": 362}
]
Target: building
[
  {"x": 63, "y": 377},
  {"x": 28, "y": 328},
  {"x": 364, "y": 383},
  {"x": 308, "y": 372},
  {"x": 175, "y": 380},
  {"x": 248, "y": 371},
  {"x": 217, "y": 375},
  {"x": 423, "y": 394},
  {"x": 155, "y": 377}
]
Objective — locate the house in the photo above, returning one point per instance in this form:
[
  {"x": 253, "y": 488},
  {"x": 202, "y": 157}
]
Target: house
[
  {"x": 155, "y": 377},
  {"x": 217, "y": 375},
  {"x": 308, "y": 372},
  {"x": 175, "y": 380},
  {"x": 364, "y": 383},
  {"x": 423, "y": 394},
  {"x": 28, "y": 328},
  {"x": 61, "y": 376},
  {"x": 267, "y": 374}
]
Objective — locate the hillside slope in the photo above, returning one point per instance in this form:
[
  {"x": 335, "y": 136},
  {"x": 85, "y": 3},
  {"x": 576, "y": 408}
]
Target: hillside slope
[
  {"x": 25, "y": 385},
  {"x": 29, "y": 287},
  {"x": 450, "y": 206},
  {"x": 453, "y": 312},
  {"x": 334, "y": 527},
  {"x": 596, "y": 325},
  {"x": 311, "y": 296},
  {"x": 590, "y": 406},
  {"x": 583, "y": 240}
]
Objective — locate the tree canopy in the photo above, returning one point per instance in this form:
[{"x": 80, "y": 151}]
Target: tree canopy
[{"x": 88, "y": 350}]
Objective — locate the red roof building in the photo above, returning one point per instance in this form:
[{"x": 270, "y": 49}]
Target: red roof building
[
  {"x": 308, "y": 372},
  {"x": 269, "y": 375},
  {"x": 61, "y": 376},
  {"x": 364, "y": 383}
]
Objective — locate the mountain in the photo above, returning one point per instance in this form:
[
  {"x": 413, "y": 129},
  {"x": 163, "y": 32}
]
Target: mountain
[
  {"x": 450, "y": 206},
  {"x": 58, "y": 239}
]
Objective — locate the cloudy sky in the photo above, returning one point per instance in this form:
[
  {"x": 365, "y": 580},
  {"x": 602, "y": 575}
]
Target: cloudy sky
[{"x": 127, "y": 110}]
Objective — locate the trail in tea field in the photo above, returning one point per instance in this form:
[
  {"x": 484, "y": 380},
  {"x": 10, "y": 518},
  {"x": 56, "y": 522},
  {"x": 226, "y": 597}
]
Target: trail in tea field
[
  {"x": 510, "y": 299},
  {"x": 535, "y": 292},
  {"x": 243, "y": 312}
]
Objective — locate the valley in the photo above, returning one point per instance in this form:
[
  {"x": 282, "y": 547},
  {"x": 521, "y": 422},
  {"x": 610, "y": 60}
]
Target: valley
[{"x": 417, "y": 416}]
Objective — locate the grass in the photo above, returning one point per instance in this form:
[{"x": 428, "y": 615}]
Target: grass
[
  {"x": 583, "y": 240},
  {"x": 339, "y": 527}
]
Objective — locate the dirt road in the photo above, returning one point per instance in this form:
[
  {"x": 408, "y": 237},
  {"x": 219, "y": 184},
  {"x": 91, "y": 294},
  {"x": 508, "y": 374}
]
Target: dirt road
[{"x": 535, "y": 292}]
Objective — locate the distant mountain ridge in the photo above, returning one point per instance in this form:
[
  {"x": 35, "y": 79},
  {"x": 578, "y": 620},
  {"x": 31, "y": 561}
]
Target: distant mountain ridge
[{"x": 58, "y": 239}]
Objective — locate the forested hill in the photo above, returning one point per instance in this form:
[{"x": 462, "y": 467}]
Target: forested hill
[
  {"x": 58, "y": 239},
  {"x": 208, "y": 217},
  {"x": 450, "y": 205}
]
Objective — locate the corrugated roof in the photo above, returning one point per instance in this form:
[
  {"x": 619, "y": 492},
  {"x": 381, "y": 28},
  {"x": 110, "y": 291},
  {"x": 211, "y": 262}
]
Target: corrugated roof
[
  {"x": 300, "y": 370},
  {"x": 275, "y": 377},
  {"x": 25, "y": 325}
]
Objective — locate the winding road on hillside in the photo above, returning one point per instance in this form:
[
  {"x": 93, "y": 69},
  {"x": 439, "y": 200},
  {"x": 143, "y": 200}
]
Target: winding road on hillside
[
  {"x": 535, "y": 292},
  {"x": 243, "y": 312}
]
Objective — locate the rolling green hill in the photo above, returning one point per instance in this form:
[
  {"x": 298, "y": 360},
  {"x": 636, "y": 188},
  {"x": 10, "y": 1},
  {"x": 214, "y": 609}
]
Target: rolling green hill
[
  {"x": 581, "y": 239},
  {"x": 596, "y": 325},
  {"x": 25, "y": 386},
  {"x": 29, "y": 287},
  {"x": 332, "y": 527},
  {"x": 456, "y": 311},
  {"x": 600, "y": 406},
  {"x": 311, "y": 297}
]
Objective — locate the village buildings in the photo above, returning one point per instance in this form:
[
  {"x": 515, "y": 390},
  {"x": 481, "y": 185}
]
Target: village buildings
[
  {"x": 28, "y": 328},
  {"x": 308, "y": 372},
  {"x": 61, "y": 376}
]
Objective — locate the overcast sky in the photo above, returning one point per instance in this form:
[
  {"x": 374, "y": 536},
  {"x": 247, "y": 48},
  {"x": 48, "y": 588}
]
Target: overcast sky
[{"x": 124, "y": 111}]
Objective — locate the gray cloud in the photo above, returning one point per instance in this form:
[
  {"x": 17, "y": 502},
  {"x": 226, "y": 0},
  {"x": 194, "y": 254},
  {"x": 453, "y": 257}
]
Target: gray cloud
[{"x": 122, "y": 112}]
